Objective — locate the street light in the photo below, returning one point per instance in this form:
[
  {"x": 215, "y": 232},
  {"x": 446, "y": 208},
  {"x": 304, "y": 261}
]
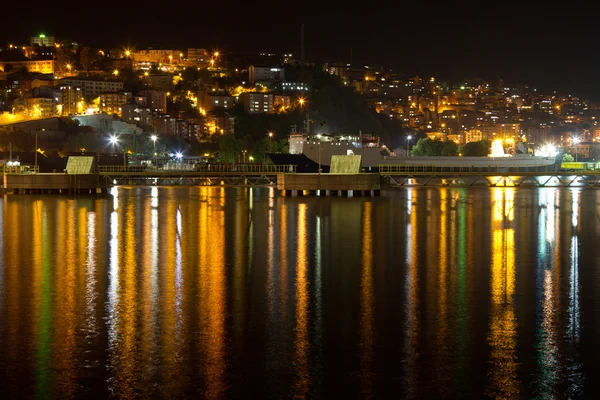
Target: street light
[
  {"x": 113, "y": 140},
  {"x": 270, "y": 142},
  {"x": 154, "y": 138},
  {"x": 576, "y": 141},
  {"x": 407, "y": 144}
]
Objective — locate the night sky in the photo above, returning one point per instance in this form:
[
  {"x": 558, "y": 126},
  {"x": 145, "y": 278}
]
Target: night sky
[{"x": 546, "y": 46}]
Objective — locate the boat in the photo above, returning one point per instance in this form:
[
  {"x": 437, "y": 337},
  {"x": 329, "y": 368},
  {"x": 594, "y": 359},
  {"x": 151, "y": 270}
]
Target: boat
[{"x": 314, "y": 152}]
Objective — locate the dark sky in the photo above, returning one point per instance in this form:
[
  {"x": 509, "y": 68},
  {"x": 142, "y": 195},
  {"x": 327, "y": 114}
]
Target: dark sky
[{"x": 547, "y": 45}]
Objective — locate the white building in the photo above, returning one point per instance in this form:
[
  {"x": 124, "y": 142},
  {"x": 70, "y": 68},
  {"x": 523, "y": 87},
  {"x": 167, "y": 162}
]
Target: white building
[
  {"x": 270, "y": 74},
  {"x": 92, "y": 88},
  {"x": 256, "y": 102},
  {"x": 42, "y": 40}
]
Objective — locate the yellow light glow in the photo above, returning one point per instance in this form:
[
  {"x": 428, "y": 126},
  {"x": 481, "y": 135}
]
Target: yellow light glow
[{"x": 116, "y": 72}]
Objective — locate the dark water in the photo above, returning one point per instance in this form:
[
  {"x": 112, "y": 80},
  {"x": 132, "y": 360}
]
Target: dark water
[{"x": 240, "y": 293}]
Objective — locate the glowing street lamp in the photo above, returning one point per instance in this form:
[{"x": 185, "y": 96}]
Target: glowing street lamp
[
  {"x": 127, "y": 53},
  {"x": 301, "y": 101},
  {"x": 69, "y": 66},
  {"x": 216, "y": 54},
  {"x": 408, "y": 138},
  {"x": 116, "y": 72},
  {"x": 576, "y": 142},
  {"x": 270, "y": 142},
  {"x": 154, "y": 138}
]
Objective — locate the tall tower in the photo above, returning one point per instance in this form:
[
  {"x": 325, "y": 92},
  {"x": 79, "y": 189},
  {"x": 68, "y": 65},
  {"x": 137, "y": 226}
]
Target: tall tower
[{"x": 302, "y": 42}]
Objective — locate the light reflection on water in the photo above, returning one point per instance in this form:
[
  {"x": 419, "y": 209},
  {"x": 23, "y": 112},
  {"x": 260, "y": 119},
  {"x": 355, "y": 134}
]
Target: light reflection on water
[{"x": 237, "y": 292}]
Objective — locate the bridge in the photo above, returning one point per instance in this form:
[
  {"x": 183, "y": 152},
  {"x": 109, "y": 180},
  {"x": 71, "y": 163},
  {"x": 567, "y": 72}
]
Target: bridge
[
  {"x": 427, "y": 175},
  {"x": 194, "y": 174}
]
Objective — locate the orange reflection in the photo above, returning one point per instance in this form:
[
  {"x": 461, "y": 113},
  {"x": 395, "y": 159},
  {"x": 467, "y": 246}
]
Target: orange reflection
[
  {"x": 127, "y": 326},
  {"x": 301, "y": 343},
  {"x": 367, "y": 334},
  {"x": 66, "y": 270},
  {"x": 412, "y": 300},
  {"x": 443, "y": 346},
  {"x": 283, "y": 263},
  {"x": 502, "y": 336},
  {"x": 213, "y": 301}
]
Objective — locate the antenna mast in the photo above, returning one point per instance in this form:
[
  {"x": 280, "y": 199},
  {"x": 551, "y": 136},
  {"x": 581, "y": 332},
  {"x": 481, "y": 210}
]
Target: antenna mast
[{"x": 302, "y": 42}]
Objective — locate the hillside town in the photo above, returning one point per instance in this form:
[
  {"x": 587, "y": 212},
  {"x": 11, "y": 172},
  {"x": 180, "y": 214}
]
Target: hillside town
[{"x": 200, "y": 95}]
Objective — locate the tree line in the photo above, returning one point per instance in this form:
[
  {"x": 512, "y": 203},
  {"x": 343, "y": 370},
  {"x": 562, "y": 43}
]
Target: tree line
[{"x": 437, "y": 147}]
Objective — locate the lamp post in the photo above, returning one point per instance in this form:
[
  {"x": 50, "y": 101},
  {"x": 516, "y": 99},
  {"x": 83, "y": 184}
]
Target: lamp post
[
  {"x": 576, "y": 141},
  {"x": 319, "y": 138},
  {"x": 407, "y": 144},
  {"x": 154, "y": 138},
  {"x": 270, "y": 142}
]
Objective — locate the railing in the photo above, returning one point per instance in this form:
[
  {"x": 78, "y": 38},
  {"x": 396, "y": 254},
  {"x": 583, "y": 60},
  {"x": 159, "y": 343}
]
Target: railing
[
  {"x": 198, "y": 168},
  {"x": 20, "y": 169},
  {"x": 462, "y": 169}
]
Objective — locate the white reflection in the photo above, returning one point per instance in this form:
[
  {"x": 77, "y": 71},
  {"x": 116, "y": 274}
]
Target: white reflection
[
  {"x": 115, "y": 193},
  {"x": 318, "y": 283},
  {"x": 250, "y": 198},
  {"x": 154, "y": 195},
  {"x": 271, "y": 197},
  {"x": 178, "y": 258},
  {"x": 550, "y": 216},
  {"x": 575, "y": 207},
  {"x": 113, "y": 278},
  {"x": 154, "y": 252},
  {"x": 90, "y": 275},
  {"x": 575, "y": 376},
  {"x": 409, "y": 197}
]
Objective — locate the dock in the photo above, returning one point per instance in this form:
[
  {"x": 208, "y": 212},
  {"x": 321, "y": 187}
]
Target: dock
[
  {"x": 344, "y": 179},
  {"x": 55, "y": 183},
  {"x": 78, "y": 178},
  {"x": 329, "y": 184}
]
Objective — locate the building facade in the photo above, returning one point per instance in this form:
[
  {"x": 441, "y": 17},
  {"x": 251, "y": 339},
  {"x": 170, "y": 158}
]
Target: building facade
[
  {"x": 269, "y": 74},
  {"x": 41, "y": 107},
  {"x": 92, "y": 88},
  {"x": 72, "y": 100},
  {"x": 42, "y": 40},
  {"x": 156, "y": 100},
  {"x": 37, "y": 66},
  {"x": 111, "y": 103},
  {"x": 257, "y": 103},
  {"x": 210, "y": 101}
]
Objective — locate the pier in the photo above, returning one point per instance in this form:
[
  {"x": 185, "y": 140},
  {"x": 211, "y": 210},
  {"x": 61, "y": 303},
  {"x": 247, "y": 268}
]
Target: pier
[
  {"x": 547, "y": 176},
  {"x": 329, "y": 184}
]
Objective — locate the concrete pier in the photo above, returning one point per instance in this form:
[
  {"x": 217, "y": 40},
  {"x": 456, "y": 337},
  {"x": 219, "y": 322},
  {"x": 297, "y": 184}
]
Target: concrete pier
[{"x": 332, "y": 184}]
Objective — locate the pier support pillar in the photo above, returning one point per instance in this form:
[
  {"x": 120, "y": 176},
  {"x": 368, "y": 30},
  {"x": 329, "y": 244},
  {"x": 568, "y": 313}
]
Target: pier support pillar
[
  {"x": 345, "y": 193},
  {"x": 377, "y": 192}
]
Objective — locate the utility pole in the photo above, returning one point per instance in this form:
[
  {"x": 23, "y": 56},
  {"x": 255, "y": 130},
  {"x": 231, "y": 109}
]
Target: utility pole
[
  {"x": 36, "y": 150},
  {"x": 302, "y": 42}
]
